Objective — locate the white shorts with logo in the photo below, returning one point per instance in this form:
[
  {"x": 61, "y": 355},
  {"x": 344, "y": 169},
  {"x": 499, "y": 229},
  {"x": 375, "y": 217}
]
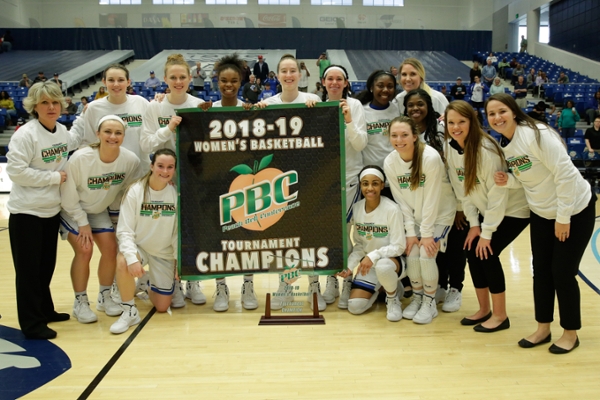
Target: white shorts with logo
[
  {"x": 99, "y": 223},
  {"x": 440, "y": 235},
  {"x": 161, "y": 272}
]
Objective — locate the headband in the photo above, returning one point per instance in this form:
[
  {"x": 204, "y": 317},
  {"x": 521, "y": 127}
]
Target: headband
[
  {"x": 112, "y": 117},
  {"x": 372, "y": 171},
  {"x": 336, "y": 69}
]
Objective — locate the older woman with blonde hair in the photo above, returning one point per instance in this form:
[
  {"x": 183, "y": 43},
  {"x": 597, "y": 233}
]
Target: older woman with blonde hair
[
  {"x": 36, "y": 161},
  {"x": 412, "y": 76}
]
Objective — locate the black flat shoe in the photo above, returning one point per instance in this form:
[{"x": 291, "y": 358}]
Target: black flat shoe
[
  {"x": 504, "y": 325},
  {"x": 58, "y": 317},
  {"x": 41, "y": 334},
  {"x": 554, "y": 349},
  {"x": 469, "y": 322},
  {"x": 526, "y": 344},
  {"x": 408, "y": 294}
]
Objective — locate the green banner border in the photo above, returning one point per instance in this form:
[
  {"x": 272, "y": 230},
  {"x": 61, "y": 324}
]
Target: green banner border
[{"x": 342, "y": 135}]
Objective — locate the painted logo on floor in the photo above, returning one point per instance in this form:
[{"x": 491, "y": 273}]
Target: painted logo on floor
[{"x": 26, "y": 365}]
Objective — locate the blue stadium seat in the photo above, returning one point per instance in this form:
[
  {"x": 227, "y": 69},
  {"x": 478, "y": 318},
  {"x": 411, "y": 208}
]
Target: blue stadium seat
[{"x": 575, "y": 148}]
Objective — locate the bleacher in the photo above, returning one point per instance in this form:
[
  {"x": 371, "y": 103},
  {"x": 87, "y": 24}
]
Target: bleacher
[{"x": 75, "y": 68}]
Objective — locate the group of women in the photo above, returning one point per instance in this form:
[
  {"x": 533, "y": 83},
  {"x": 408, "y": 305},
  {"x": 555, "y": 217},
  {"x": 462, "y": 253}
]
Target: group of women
[{"x": 429, "y": 190}]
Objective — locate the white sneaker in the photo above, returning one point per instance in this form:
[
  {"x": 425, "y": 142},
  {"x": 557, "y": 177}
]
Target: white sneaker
[
  {"x": 249, "y": 300},
  {"x": 282, "y": 295},
  {"x": 415, "y": 305},
  {"x": 221, "y": 298},
  {"x": 193, "y": 291},
  {"x": 453, "y": 301},
  {"x": 142, "y": 285},
  {"x": 82, "y": 311},
  {"x": 177, "y": 301},
  {"x": 332, "y": 290},
  {"x": 394, "y": 309},
  {"x": 345, "y": 296},
  {"x": 440, "y": 295},
  {"x": 115, "y": 294},
  {"x": 129, "y": 317},
  {"x": 315, "y": 287},
  {"x": 107, "y": 304},
  {"x": 427, "y": 312}
]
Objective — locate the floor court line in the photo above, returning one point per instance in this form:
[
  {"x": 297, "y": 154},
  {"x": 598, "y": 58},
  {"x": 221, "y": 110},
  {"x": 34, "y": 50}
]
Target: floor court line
[{"x": 96, "y": 381}]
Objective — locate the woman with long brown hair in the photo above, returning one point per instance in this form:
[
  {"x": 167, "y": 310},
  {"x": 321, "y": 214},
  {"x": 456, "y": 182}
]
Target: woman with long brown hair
[{"x": 473, "y": 157}]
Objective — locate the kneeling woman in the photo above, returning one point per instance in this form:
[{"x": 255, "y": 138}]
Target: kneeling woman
[
  {"x": 147, "y": 233},
  {"x": 379, "y": 242},
  {"x": 420, "y": 185},
  {"x": 96, "y": 176}
]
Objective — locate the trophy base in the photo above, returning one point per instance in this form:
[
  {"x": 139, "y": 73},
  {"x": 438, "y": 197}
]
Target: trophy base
[{"x": 314, "y": 319}]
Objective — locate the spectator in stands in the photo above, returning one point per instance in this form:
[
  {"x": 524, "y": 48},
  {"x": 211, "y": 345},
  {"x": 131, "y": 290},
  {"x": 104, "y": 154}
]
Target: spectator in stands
[
  {"x": 513, "y": 63},
  {"x": 563, "y": 79},
  {"x": 56, "y": 80},
  {"x": 261, "y": 69},
  {"x": 488, "y": 73},
  {"x": 246, "y": 72},
  {"x": 478, "y": 90},
  {"x": 502, "y": 65},
  {"x": 475, "y": 71},
  {"x": 268, "y": 92},
  {"x": 459, "y": 90},
  {"x": 214, "y": 77},
  {"x": 531, "y": 79},
  {"x": 71, "y": 108},
  {"x": 444, "y": 91},
  {"x": 40, "y": 78},
  {"x": 497, "y": 87},
  {"x": 273, "y": 81},
  {"x": 568, "y": 119},
  {"x": 304, "y": 74},
  {"x": 523, "y": 44},
  {"x": 394, "y": 72},
  {"x": 9, "y": 105},
  {"x": 319, "y": 90},
  {"x": 539, "y": 112},
  {"x": 81, "y": 106},
  {"x": 25, "y": 82},
  {"x": 101, "y": 93},
  {"x": 192, "y": 92},
  {"x": 250, "y": 92},
  {"x": 518, "y": 71},
  {"x": 7, "y": 41},
  {"x": 412, "y": 76},
  {"x": 322, "y": 63},
  {"x": 592, "y": 136},
  {"x": 153, "y": 82},
  {"x": 130, "y": 90},
  {"x": 520, "y": 92},
  {"x": 592, "y": 108},
  {"x": 492, "y": 58},
  {"x": 540, "y": 80},
  {"x": 198, "y": 77}
]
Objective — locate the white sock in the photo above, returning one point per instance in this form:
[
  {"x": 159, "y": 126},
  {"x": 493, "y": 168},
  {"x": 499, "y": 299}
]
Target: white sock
[
  {"x": 220, "y": 281},
  {"x": 414, "y": 271},
  {"x": 430, "y": 274},
  {"x": 385, "y": 269},
  {"x": 247, "y": 278},
  {"x": 313, "y": 279},
  {"x": 103, "y": 288}
]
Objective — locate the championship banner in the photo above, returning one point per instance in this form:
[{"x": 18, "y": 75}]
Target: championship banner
[{"x": 261, "y": 191}]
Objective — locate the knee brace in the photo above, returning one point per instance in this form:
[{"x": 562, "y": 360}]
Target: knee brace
[
  {"x": 358, "y": 306},
  {"x": 386, "y": 274}
]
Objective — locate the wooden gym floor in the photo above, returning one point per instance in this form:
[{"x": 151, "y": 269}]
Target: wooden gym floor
[{"x": 196, "y": 353}]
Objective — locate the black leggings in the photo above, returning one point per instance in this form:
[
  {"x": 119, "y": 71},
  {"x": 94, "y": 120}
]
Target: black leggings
[
  {"x": 33, "y": 241},
  {"x": 488, "y": 273},
  {"x": 451, "y": 264},
  {"x": 555, "y": 266}
]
